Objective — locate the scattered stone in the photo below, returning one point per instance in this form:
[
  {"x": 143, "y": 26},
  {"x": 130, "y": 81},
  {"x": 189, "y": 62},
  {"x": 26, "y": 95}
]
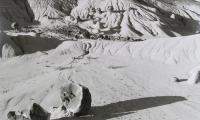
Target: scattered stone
[
  {"x": 194, "y": 77},
  {"x": 15, "y": 26},
  {"x": 173, "y": 16},
  {"x": 86, "y": 48},
  {"x": 12, "y": 115}
]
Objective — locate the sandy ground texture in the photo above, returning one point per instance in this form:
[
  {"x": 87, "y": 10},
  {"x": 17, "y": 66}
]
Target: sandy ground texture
[
  {"x": 141, "y": 80},
  {"x": 127, "y": 80}
]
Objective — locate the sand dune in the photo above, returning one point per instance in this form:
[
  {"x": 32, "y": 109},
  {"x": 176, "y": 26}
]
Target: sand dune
[{"x": 122, "y": 77}]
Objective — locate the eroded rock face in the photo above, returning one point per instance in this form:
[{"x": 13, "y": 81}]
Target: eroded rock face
[
  {"x": 143, "y": 18},
  {"x": 76, "y": 99},
  {"x": 14, "y": 11},
  {"x": 185, "y": 8},
  {"x": 51, "y": 8}
]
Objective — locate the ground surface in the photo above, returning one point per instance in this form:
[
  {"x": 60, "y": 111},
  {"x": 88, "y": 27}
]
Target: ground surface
[{"x": 125, "y": 79}]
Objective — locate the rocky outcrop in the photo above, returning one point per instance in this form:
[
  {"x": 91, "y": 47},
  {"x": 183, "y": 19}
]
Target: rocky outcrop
[
  {"x": 26, "y": 11},
  {"x": 14, "y": 11},
  {"x": 9, "y": 51},
  {"x": 8, "y": 48},
  {"x": 51, "y": 8},
  {"x": 144, "y": 18},
  {"x": 185, "y": 8}
]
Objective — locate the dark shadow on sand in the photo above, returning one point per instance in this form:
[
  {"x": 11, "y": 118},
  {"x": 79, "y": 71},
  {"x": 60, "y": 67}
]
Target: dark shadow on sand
[{"x": 122, "y": 108}]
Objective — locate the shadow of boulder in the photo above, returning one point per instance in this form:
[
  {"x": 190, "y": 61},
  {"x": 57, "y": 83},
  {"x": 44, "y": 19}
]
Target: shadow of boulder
[{"x": 122, "y": 108}]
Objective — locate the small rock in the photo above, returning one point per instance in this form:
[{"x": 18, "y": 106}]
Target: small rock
[
  {"x": 12, "y": 115},
  {"x": 194, "y": 77},
  {"x": 15, "y": 26},
  {"x": 173, "y": 16},
  {"x": 38, "y": 113}
]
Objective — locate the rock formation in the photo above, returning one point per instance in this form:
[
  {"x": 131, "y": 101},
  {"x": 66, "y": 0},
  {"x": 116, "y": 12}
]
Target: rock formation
[
  {"x": 14, "y": 11},
  {"x": 143, "y": 18},
  {"x": 8, "y": 48},
  {"x": 76, "y": 99},
  {"x": 185, "y": 8},
  {"x": 51, "y": 8},
  {"x": 8, "y": 51}
]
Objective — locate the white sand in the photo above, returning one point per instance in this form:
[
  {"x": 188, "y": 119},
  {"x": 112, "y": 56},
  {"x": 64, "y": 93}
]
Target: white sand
[{"x": 126, "y": 80}]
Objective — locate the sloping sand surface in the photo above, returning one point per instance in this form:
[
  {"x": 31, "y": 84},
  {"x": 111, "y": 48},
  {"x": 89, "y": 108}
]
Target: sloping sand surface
[{"x": 127, "y": 80}]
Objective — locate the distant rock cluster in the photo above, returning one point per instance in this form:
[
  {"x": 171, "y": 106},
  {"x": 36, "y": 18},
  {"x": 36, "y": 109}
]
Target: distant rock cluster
[{"x": 75, "y": 32}]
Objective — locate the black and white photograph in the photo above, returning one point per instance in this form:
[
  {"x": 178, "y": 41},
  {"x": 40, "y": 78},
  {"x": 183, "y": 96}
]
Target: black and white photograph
[{"x": 99, "y": 59}]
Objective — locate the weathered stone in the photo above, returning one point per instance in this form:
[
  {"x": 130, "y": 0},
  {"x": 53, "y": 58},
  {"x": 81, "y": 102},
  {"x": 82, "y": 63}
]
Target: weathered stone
[
  {"x": 14, "y": 10},
  {"x": 76, "y": 98},
  {"x": 51, "y": 8},
  {"x": 15, "y": 25},
  {"x": 194, "y": 77},
  {"x": 12, "y": 115},
  {"x": 38, "y": 113}
]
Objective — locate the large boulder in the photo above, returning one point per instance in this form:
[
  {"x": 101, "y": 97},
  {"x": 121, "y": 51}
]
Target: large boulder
[{"x": 76, "y": 99}]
